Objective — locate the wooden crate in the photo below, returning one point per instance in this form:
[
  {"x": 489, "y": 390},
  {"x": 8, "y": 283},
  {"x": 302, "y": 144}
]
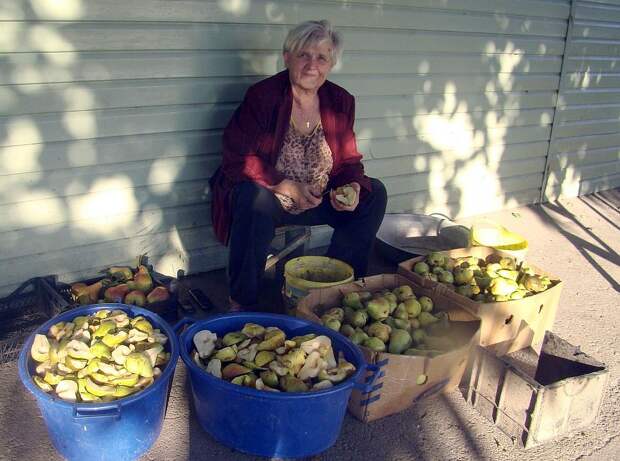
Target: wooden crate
[{"x": 537, "y": 398}]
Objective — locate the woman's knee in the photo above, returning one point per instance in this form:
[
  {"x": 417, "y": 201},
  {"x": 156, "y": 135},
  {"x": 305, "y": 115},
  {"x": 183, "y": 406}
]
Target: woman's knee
[
  {"x": 249, "y": 196},
  {"x": 379, "y": 192}
]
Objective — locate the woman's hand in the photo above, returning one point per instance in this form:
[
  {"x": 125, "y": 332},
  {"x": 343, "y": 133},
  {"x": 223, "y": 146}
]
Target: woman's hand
[
  {"x": 302, "y": 194},
  {"x": 339, "y": 206}
]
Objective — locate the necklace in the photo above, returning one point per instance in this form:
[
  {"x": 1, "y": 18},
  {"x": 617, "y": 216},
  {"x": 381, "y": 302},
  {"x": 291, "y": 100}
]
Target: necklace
[{"x": 306, "y": 114}]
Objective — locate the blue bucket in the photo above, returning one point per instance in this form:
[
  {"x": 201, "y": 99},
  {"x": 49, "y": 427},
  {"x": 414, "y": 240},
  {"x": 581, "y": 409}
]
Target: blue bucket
[
  {"x": 123, "y": 429},
  {"x": 271, "y": 424}
]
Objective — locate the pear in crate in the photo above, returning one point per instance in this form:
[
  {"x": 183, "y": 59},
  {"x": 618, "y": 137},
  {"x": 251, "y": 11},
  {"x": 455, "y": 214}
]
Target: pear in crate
[
  {"x": 142, "y": 280},
  {"x": 122, "y": 274},
  {"x": 80, "y": 293},
  {"x": 158, "y": 294},
  {"x": 378, "y": 308},
  {"x": 135, "y": 297},
  {"x": 89, "y": 294},
  {"x": 116, "y": 294}
]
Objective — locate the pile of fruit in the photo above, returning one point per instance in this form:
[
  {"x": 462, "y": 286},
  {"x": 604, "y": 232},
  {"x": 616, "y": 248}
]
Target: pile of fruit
[
  {"x": 264, "y": 359},
  {"x": 395, "y": 321},
  {"x": 121, "y": 285},
  {"x": 494, "y": 278},
  {"x": 100, "y": 357}
]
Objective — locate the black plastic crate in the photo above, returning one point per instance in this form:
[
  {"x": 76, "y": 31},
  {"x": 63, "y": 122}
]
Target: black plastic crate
[
  {"x": 168, "y": 309},
  {"x": 33, "y": 303}
]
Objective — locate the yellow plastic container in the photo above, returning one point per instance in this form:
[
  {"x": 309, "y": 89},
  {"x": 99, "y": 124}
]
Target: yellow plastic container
[
  {"x": 307, "y": 272},
  {"x": 490, "y": 234}
]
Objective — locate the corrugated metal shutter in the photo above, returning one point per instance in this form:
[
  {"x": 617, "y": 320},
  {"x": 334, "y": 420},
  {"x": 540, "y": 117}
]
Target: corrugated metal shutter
[
  {"x": 585, "y": 147},
  {"x": 112, "y": 114}
]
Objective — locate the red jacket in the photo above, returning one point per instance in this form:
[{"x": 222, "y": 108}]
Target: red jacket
[{"x": 253, "y": 139}]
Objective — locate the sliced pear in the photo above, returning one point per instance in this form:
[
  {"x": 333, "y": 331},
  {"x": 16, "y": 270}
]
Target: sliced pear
[
  {"x": 115, "y": 339},
  {"x": 99, "y": 390},
  {"x": 64, "y": 369},
  {"x": 102, "y": 314},
  {"x": 43, "y": 367},
  {"x": 40, "y": 350},
  {"x": 76, "y": 364},
  {"x": 100, "y": 378},
  {"x": 138, "y": 362},
  {"x": 144, "y": 326},
  {"x": 144, "y": 382},
  {"x": 153, "y": 352},
  {"x": 127, "y": 380},
  {"x": 108, "y": 369},
  {"x": 78, "y": 350},
  {"x": 101, "y": 350},
  {"x": 119, "y": 355},
  {"x": 104, "y": 328},
  {"x": 42, "y": 384},
  {"x": 124, "y": 391},
  {"x": 136, "y": 336},
  {"x": 67, "y": 390},
  {"x": 158, "y": 337},
  {"x": 86, "y": 396}
]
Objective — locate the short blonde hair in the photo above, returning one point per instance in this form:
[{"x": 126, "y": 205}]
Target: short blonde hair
[{"x": 309, "y": 33}]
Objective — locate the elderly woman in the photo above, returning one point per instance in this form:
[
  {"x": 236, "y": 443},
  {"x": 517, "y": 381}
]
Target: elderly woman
[{"x": 286, "y": 150}]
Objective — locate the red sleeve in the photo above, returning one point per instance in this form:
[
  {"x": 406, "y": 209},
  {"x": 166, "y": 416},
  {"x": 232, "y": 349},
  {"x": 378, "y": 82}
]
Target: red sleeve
[
  {"x": 350, "y": 168},
  {"x": 243, "y": 158}
]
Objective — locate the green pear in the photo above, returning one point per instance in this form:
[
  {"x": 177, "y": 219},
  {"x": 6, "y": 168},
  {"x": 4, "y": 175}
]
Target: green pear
[
  {"x": 401, "y": 312},
  {"x": 426, "y": 318},
  {"x": 399, "y": 341},
  {"x": 402, "y": 324},
  {"x": 135, "y": 297},
  {"x": 446, "y": 277},
  {"x": 380, "y": 330},
  {"x": 352, "y": 299},
  {"x": 378, "y": 308},
  {"x": 403, "y": 292},
  {"x": 347, "y": 330},
  {"x": 421, "y": 268},
  {"x": 426, "y": 303},
  {"x": 435, "y": 259},
  {"x": 413, "y": 307},
  {"x": 375, "y": 344}
]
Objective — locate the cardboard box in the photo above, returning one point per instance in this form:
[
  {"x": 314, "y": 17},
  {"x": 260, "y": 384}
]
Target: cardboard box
[
  {"x": 514, "y": 324},
  {"x": 537, "y": 398},
  {"x": 397, "y": 387}
]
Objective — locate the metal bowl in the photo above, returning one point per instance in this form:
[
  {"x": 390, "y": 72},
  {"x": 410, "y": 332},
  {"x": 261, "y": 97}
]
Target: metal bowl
[{"x": 407, "y": 235}]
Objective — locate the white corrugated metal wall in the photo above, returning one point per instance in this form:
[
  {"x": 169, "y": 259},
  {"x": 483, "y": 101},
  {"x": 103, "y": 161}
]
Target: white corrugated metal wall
[
  {"x": 585, "y": 147},
  {"x": 112, "y": 114}
]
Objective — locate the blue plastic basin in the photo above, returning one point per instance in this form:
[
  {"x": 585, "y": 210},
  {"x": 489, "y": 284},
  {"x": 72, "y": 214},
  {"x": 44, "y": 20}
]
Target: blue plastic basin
[
  {"x": 123, "y": 429},
  {"x": 271, "y": 424}
]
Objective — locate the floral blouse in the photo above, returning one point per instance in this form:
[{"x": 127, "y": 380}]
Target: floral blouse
[{"x": 306, "y": 159}]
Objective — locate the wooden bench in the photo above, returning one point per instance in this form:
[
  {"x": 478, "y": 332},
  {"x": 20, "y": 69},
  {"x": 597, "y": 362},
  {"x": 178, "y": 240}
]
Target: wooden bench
[{"x": 294, "y": 238}]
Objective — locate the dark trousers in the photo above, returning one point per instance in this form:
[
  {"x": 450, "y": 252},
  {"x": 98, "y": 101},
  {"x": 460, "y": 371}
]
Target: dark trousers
[{"x": 256, "y": 214}]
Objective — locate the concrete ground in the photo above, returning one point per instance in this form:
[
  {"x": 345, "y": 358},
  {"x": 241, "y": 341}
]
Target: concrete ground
[{"x": 576, "y": 239}]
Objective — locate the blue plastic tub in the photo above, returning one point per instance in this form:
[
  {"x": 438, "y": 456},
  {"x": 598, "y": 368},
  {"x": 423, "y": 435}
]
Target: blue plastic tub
[
  {"x": 271, "y": 424},
  {"x": 123, "y": 429}
]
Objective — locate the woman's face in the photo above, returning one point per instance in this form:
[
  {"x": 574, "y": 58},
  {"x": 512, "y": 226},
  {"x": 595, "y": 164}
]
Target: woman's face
[{"x": 309, "y": 67}]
